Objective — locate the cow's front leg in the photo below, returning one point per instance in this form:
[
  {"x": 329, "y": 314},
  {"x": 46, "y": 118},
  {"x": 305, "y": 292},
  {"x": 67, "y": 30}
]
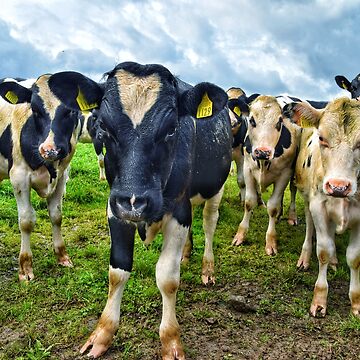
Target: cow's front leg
[
  {"x": 54, "y": 202},
  {"x": 210, "y": 218},
  {"x": 121, "y": 258},
  {"x": 26, "y": 218},
  {"x": 304, "y": 259},
  {"x": 353, "y": 260},
  {"x": 274, "y": 208},
  {"x": 325, "y": 249},
  {"x": 251, "y": 198},
  {"x": 167, "y": 280}
]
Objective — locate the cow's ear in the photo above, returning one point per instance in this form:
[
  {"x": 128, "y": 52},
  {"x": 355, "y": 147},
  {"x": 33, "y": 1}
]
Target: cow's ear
[
  {"x": 202, "y": 101},
  {"x": 343, "y": 82},
  {"x": 302, "y": 114},
  {"x": 251, "y": 98},
  {"x": 238, "y": 106},
  {"x": 14, "y": 93},
  {"x": 76, "y": 91}
]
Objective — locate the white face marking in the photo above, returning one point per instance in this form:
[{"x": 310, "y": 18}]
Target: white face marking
[
  {"x": 137, "y": 94},
  {"x": 132, "y": 200}
]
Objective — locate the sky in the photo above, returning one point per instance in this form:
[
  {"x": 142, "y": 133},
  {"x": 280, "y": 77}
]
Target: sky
[{"x": 270, "y": 47}]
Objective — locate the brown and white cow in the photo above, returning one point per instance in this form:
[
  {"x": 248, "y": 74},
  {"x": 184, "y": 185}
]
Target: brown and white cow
[
  {"x": 38, "y": 138},
  {"x": 270, "y": 145},
  {"x": 327, "y": 175}
]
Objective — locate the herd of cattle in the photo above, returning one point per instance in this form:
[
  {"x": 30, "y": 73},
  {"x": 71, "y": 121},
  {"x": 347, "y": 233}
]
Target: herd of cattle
[{"x": 169, "y": 146}]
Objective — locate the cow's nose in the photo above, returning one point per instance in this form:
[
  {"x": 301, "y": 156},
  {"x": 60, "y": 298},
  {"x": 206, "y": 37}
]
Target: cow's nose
[
  {"x": 131, "y": 207},
  {"x": 338, "y": 188},
  {"x": 262, "y": 153},
  {"x": 48, "y": 152}
]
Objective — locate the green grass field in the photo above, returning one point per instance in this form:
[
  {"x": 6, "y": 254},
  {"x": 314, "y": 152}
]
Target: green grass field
[{"x": 52, "y": 316}]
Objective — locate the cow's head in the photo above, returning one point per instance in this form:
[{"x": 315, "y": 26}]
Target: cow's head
[
  {"x": 338, "y": 128},
  {"x": 267, "y": 135},
  {"x": 49, "y": 130},
  {"x": 139, "y": 118},
  {"x": 353, "y": 87}
]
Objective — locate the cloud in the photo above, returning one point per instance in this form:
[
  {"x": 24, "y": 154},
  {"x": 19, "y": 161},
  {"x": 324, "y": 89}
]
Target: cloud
[{"x": 269, "y": 47}]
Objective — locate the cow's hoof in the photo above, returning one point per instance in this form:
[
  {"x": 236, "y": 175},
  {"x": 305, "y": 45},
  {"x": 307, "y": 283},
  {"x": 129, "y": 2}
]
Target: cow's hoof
[
  {"x": 100, "y": 340},
  {"x": 239, "y": 238},
  {"x": 65, "y": 261},
  {"x": 175, "y": 353},
  {"x": 318, "y": 310},
  {"x": 303, "y": 262},
  {"x": 28, "y": 276},
  {"x": 292, "y": 222},
  {"x": 270, "y": 250},
  {"x": 208, "y": 279}
]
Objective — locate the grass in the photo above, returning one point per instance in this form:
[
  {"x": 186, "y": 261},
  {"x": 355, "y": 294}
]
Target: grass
[{"x": 51, "y": 317}]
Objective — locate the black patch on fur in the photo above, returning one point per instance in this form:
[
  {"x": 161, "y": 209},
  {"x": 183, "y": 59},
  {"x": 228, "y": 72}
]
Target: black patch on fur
[
  {"x": 6, "y": 146},
  {"x": 247, "y": 145},
  {"x": 308, "y": 163},
  {"x": 284, "y": 141}
]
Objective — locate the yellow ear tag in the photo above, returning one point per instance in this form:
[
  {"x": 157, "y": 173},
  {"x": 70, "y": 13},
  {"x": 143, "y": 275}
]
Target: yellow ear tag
[
  {"x": 237, "y": 111},
  {"x": 205, "y": 107},
  {"x": 83, "y": 104},
  {"x": 12, "y": 97},
  {"x": 343, "y": 85}
]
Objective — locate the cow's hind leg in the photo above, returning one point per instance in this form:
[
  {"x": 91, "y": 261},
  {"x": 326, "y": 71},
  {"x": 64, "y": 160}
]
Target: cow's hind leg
[
  {"x": 27, "y": 218},
  {"x": 353, "y": 260},
  {"x": 304, "y": 259},
  {"x": 54, "y": 202},
  {"x": 168, "y": 279},
  {"x": 210, "y": 218}
]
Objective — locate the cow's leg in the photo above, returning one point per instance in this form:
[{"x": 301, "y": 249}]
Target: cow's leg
[
  {"x": 210, "y": 218},
  {"x": 292, "y": 219},
  {"x": 274, "y": 208},
  {"x": 54, "y": 202},
  {"x": 101, "y": 166},
  {"x": 121, "y": 258},
  {"x": 353, "y": 260},
  {"x": 251, "y": 198},
  {"x": 325, "y": 249},
  {"x": 238, "y": 157},
  {"x": 304, "y": 259},
  {"x": 27, "y": 218},
  {"x": 168, "y": 279},
  {"x": 189, "y": 241}
]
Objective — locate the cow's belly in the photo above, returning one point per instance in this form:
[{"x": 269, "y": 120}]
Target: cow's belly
[{"x": 3, "y": 168}]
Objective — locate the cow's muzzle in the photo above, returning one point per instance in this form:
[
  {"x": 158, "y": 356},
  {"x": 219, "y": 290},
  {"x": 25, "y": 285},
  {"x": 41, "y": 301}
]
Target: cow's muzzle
[
  {"x": 263, "y": 153},
  {"x": 130, "y": 208},
  {"x": 49, "y": 153},
  {"x": 338, "y": 188}
]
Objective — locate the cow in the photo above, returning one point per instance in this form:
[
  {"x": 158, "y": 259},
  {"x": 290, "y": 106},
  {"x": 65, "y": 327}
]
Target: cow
[
  {"x": 270, "y": 151},
  {"x": 327, "y": 176},
  {"x": 87, "y": 134},
  {"x": 156, "y": 129},
  {"x": 38, "y": 138},
  {"x": 353, "y": 87},
  {"x": 237, "y": 113}
]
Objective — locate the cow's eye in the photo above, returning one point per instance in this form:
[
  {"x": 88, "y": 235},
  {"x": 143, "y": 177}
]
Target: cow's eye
[
  {"x": 323, "y": 142},
  {"x": 252, "y": 122},
  {"x": 170, "y": 134}
]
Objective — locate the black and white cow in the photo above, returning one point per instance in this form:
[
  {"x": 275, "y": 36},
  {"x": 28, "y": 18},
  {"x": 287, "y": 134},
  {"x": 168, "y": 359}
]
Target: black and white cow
[
  {"x": 353, "y": 87},
  {"x": 163, "y": 138},
  {"x": 38, "y": 138}
]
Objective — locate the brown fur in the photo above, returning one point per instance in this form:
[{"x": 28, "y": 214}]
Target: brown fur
[{"x": 234, "y": 93}]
